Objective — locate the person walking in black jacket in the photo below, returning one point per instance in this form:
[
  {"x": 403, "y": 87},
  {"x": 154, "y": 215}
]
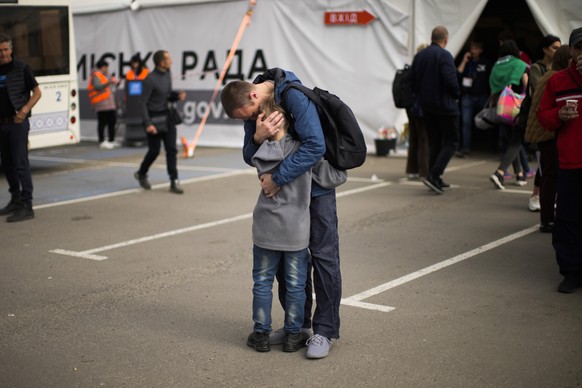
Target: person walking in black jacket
[
  {"x": 159, "y": 125},
  {"x": 435, "y": 83}
]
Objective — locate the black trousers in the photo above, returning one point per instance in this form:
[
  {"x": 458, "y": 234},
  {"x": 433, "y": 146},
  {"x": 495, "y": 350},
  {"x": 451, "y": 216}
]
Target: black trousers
[
  {"x": 325, "y": 262},
  {"x": 417, "y": 160},
  {"x": 549, "y": 172},
  {"x": 14, "y": 156},
  {"x": 154, "y": 146},
  {"x": 106, "y": 118},
  {"x": 567, "y": 236},
  {"x": 443, "y": 140}
]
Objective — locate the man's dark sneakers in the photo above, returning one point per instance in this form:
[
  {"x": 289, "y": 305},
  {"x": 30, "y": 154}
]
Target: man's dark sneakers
[
  {"x": 571, "y": 282},
  {"x": 259, "y": 341},
  {"x": 25, "y": 212},
  {"x": 433, "y": 183},
  {"x": 143, "y": 180},
  {"x": 444, "y": 185},
  {"x": 497, "y": 180},
  {"x": 293, "y": 342},
  {"x": 547, "y": 228},
  {"x": 175, "y": 187},
  {"x": 13, "y": 206}
]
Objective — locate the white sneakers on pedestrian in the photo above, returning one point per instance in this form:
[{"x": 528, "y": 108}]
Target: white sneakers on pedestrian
[
  {"x": 534, "y": 203},
  {"x": 109, "y": 145},
  {"x": 318, "y": 346}
]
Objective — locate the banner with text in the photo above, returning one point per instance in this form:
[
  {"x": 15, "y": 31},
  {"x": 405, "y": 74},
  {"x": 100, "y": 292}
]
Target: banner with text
[{"x": 356, "y": 62}]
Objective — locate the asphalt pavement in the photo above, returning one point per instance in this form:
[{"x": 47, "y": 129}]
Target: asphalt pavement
[{"x": 114, "y": 286}]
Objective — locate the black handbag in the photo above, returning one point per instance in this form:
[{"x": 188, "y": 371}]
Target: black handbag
[
  {"x": 161, "y": 123},
  {"x": 174, "y": 114},
  {"x": 486, "y": 118}
]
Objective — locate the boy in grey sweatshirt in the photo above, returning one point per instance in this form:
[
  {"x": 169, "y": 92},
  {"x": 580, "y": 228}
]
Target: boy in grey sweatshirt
[{"x": 281, "y": 226}]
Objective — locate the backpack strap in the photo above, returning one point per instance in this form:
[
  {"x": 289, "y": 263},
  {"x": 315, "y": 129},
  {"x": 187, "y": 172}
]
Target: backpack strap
[{"x": 303, "y": 89}]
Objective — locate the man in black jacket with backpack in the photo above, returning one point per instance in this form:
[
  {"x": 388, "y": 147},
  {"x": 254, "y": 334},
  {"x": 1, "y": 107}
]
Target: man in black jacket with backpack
[{"x": 435, "y": 83}]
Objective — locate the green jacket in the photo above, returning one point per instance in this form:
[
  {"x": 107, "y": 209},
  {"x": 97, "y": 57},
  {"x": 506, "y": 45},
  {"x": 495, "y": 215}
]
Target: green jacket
[{"x": 506, "y": 71}]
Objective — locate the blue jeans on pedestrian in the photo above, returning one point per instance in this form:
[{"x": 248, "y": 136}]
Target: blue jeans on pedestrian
[
  {"x": 470, "y": 106},
  {"x": 265, "y": 265}
]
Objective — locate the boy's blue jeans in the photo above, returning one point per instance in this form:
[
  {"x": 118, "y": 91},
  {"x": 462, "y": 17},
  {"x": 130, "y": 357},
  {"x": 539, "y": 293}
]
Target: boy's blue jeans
[{"x": 265, "y": 265}]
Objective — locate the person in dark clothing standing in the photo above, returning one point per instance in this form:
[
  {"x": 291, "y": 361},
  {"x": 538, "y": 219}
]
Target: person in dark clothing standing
[
  {"x": 435, "y": 83},
  {"x": 474, "y": 72},
  {"x": 19, "y": 93},
  {"x": 159, "y": 125},
  {"x": 559, "y": 112}
]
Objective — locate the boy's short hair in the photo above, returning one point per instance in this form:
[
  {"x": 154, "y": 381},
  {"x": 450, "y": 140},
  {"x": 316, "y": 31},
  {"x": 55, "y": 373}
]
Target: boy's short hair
[{"x": 269, "y": 106}]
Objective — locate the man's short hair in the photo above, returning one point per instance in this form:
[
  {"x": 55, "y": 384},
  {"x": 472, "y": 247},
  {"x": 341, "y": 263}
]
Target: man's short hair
[
  {"x": 5, "y": 38},
  {"x": 235, "y": 95},
  {"x": 159, "y": 56},
  {"x": 439, "y": 34}
]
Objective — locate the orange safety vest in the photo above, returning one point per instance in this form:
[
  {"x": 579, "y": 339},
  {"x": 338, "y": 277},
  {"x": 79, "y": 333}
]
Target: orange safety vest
[
  {"x": 130, "y": 76},
  {"x": 96, "y": 96}
]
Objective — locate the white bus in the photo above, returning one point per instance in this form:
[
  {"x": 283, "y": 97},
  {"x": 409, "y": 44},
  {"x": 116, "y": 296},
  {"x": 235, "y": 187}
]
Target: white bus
[{"x": 43, "y": 37}]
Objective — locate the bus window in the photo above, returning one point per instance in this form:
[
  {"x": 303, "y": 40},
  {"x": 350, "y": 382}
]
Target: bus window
[
  {"x": 40, "y": 36},
  {"x": 43, "y": 37}
]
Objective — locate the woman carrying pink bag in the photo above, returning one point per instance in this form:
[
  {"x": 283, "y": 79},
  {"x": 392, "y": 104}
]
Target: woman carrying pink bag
[{"x": 509, "y": 79}]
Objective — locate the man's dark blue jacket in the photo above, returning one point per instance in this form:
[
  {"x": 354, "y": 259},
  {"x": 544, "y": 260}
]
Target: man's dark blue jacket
[{"x": 434, "y": 81}]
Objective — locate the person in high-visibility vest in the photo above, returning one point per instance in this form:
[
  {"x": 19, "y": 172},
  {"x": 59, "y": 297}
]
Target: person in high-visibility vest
[
  {"x": 102, "y": 97},
  {"x": 138, "y": 71}
]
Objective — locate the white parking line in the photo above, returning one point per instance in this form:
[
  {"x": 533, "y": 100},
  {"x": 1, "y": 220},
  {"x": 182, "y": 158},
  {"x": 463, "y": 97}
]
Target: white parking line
[
  {"x": 89, "y": 254},
  {"x": 106, "y": 163},
  {"x": 355, "y": 300},
  {"x": 160, "y": 185}
]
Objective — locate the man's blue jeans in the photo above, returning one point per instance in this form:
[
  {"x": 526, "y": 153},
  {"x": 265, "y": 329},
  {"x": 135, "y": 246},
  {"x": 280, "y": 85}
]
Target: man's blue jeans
[{"x": 265, "y": 265}]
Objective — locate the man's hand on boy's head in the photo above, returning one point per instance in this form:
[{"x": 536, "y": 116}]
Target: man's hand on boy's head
[{"x": 267, "y": 127}]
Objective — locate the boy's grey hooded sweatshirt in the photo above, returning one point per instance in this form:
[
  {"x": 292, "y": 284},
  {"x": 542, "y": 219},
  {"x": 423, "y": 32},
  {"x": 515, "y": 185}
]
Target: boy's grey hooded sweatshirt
[{"x": 282, "y": 222}]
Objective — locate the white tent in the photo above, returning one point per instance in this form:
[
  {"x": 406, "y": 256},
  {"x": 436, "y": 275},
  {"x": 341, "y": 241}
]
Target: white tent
[{"x": 356, "y": 62}]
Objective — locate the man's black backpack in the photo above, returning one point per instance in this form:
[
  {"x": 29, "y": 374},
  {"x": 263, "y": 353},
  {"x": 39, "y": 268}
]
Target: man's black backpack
[
  {"x": 344, "y": 141},
  {"x": 402, "y": 89}
]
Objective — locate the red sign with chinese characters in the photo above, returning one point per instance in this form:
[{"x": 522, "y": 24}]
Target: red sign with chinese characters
[{"x": 348, "y": 17}]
